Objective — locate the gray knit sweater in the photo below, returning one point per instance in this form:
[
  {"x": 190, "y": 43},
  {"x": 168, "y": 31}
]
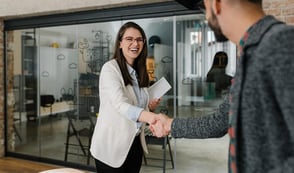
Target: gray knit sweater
[{"x": 262, "y": 103}]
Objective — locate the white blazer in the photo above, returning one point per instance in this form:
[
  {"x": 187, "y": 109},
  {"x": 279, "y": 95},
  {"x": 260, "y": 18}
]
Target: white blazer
[{"x": 114, "y": 133}]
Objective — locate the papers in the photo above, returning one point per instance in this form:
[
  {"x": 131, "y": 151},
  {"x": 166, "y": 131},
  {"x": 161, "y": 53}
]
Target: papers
[{"x": 159, "y": 88}]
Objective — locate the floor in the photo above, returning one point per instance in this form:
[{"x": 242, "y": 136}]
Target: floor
[
  {"x": 14, "y": 165},
  {"x": 190, "y": 155},
  {"x": 194, "y": 156}
]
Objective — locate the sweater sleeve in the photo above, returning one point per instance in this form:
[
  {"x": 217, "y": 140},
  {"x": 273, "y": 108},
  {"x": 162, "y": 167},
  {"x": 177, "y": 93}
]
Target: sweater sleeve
[{"x": 208, "y": 126}]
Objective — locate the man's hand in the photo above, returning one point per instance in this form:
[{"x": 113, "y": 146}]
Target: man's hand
[{"x": 162, "y": 126}]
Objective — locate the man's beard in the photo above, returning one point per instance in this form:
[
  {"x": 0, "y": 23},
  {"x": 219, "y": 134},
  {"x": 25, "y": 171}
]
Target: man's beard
[{"x": 214, "y": 25}]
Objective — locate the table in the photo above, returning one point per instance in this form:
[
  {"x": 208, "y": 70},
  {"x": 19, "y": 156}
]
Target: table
[{"x": 56, "y": 108}]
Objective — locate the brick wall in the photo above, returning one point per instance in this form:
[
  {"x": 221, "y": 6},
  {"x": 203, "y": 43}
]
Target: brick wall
[
  {"x": 282, "y": 9},
  {"x": 10, "y": 94},
  {"x": 1, "y": 92},
  {"x": 9, "y": 65}
]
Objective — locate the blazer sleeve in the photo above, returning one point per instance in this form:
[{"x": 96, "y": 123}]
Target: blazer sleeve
[{"x": 209, "y": 126}]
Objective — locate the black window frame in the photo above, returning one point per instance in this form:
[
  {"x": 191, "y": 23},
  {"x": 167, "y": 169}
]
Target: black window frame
[{"x": 154, "y": 10}]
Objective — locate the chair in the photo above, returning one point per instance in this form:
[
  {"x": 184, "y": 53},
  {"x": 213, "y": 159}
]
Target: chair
[
  {"x": 79, "y": 134},
  {"x": 165, "y": 141},
  {"x": 47, "y": 101},
  {"x": 16, "y": 131}
]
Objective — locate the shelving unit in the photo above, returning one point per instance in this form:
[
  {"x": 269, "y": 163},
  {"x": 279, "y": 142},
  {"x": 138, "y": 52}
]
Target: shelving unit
[
  {"x": 30, "y": 76},
  {"x": 88, "y": 94},
  {"x": 25, "y": 84},
  {"x": 97, "y": 54}
]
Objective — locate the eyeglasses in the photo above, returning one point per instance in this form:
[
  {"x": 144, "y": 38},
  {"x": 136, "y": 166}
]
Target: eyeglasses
[
  {"x": 201, "y": 6},
  {"x": 132, "y": 40}
]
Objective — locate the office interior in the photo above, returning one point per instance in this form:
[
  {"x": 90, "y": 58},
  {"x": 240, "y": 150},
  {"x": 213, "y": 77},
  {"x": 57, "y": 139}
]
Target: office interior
[{"x": 55, "y": 78}]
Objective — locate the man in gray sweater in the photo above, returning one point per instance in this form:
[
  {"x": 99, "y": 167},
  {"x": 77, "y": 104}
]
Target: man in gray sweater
[{"x": 258, "y": 114}]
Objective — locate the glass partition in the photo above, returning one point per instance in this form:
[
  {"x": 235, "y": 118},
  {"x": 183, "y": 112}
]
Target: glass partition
[{"x": 55, "y": 85}]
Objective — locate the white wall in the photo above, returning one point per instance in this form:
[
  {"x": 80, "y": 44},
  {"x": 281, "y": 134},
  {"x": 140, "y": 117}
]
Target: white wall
[
  {"x": 58, "y": 69},
  {"x": 22, "y": 8}
]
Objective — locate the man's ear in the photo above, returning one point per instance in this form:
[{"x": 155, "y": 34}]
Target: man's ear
[{"x": 216, "y": 6}]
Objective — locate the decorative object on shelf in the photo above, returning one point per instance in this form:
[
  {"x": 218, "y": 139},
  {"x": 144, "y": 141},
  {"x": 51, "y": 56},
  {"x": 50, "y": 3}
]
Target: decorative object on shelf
[
  {"x": 154, "y": 40},
  {"x": 67, "y": 96},
  {"x": 89, "y": 79},
  {"x": 29, "y": 41},
  {"x": 55, "y": 45},
  {"x": 98, "y": 34},
  {"x": 83, "y": 44}
]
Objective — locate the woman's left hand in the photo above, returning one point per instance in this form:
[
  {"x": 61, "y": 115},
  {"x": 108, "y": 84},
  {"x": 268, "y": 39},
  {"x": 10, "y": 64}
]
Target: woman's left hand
[{"x": 153, "y": 104}]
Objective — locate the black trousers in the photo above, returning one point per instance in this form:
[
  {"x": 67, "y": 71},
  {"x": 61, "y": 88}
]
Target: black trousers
[{"x": 132, "y": 163}]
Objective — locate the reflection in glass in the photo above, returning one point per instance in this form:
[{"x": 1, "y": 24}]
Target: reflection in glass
[{"x": 56, "y": 78}]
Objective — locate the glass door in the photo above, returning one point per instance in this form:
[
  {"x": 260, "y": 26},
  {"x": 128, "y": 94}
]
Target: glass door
[{"x": 56, "y": 77}]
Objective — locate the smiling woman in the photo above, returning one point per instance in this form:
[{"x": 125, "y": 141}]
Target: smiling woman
[
  {"x": 76, "y": 68},
  {"x": 118, "y": 147}
]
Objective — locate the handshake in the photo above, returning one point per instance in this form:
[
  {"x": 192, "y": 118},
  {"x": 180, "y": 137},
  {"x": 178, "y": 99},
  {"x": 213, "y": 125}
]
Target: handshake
[{"x": 161, "y": 126}]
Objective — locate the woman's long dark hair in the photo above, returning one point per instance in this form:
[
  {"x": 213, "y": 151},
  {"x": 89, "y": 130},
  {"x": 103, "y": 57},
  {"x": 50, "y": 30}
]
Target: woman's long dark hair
[{"x": 140, "y": 62}]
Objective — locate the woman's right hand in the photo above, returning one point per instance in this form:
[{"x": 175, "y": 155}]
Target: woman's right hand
[{"x": 148, "y": 117}]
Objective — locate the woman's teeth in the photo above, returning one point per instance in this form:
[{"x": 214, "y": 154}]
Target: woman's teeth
[{"x": 134, "y": 49}]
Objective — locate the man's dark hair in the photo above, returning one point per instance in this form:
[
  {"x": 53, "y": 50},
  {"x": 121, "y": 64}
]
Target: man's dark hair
[{"x": 256, "y": 1}]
